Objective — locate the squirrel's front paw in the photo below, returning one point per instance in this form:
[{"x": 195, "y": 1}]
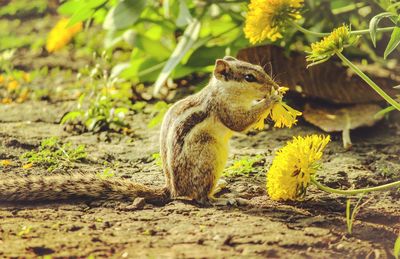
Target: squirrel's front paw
[{"x": 275, "y": 98}]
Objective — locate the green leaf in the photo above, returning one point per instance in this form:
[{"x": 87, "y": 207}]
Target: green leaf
[
  {"x": 341, "y": 7},
  {"x": 85, "y": 11},
  {"x": 394, "y": 7},
  {"x": 156, "y": 120},
  {"x": 393, "y": 43},
  {"x": 70, "y": 116},
  {"x": 348, "y": 216},
  {"x": 112, "y": 38},
  {"x": 373, "y": 25},
  {"x": 118, "y": 69},
  {"x": 396, "y": 249},
  {"x": 158, "y": 112},
  {"x": 70, "y": 7},
  {"x": 121, "y": 111},
  {"x": 95, "y": 3},
  {"x": 149, "y": 69},
  {"x": 184, "y": 17},
  {"x": 154, "y": 48},
  {"x": 205, "y": 56},
  {"x": 82, "y": 15},
  {"x": 166, "y": 8},
  {"x": 125, "y": 14},
  {"x": 185, "y": 43},
  {"x": 138, "y": 106},
  {"x": 184, "y": 70}
]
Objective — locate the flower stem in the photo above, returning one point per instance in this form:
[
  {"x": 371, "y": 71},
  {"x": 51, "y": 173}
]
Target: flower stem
[
  {"x": 304, "y": 30},
  {"x": 355, "y": 191},
  {"x": 366, "y": 31},
  {"x": 369, "y": 81},
  {"x": 322, "y": 34}
]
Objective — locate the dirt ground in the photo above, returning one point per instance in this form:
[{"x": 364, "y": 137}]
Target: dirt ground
[{"x": 313, "y": 228}]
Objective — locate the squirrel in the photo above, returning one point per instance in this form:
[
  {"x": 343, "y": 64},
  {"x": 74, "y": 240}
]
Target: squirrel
[{"x": 194, "y": 140}]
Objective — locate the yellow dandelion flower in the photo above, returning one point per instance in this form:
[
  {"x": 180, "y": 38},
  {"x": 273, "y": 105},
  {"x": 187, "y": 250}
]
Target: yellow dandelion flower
[
  {"x": 12, "y": 85},
  {"x": 1, "y": 79},
  {"x": 27, "y": 166},
  {"x": 26, "y": 77},
  {"x": 109, "y": 91},
  {"x": 282, "y": 114},
  {"x": 259, "y": 125},
  {"x": 6, "y": 100},
  {"x": 268, "y": 19},
  {"x": 5, "y": 163},
  {"x": 23, "y": 96},
  {"x": 60, "y": 35},
  {"x": 330, "y": 45},
  {"x": 293, "y": 166}
]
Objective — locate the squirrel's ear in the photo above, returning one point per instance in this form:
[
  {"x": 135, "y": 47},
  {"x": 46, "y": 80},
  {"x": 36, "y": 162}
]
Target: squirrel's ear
[
  {"x": 230, "y": 58},
  {"x": 222, "y": 69}
]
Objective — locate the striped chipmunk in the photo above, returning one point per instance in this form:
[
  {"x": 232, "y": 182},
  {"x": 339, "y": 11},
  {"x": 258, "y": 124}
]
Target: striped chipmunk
[{"x": 193, "y": 144}]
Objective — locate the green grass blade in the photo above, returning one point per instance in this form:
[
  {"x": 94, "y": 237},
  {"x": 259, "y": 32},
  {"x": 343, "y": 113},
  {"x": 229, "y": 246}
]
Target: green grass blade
[{"x": 185, "y": 43}]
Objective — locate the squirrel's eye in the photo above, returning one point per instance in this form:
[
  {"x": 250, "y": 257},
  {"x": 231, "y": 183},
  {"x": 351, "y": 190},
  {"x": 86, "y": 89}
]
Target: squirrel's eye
[{"x": 250, "y": 78}]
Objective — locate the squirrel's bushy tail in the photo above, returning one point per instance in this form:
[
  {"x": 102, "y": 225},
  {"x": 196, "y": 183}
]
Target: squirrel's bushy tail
[{"x": 64, "y": 187}]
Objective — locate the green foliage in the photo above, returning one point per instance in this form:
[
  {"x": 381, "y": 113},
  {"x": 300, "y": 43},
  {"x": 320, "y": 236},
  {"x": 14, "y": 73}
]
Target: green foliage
[
  {"x": 396, "y": 248},
  {"x": 24, "y": 231},
  {"x": 243, "y": 166},
  {"x": 157, "y": 113},
  {"x": 23, "y": 7},
  {"x": 394, "y": 18},
  {"x": 157, "y": 159},
  {"x": 373, "y": 24},
  {"x": 333, "y": 45},
  {"x": 164, "y": 36},
  {"x": 106, "y": 105},
  {"x": 171, "y": 39},
  {"x": 81, "y": 10},
  {"x": 14, "y": 33},
  {"x": 394, "y": 41},
  {"x": 106, "y": 173},
  {"x": 124, "y": 14},
  {"x": 351, "y": 215},
  {"x": 186, "y": 42},
  {"x": 52, "y": 154},
  {"x": 103, "y": 113}
]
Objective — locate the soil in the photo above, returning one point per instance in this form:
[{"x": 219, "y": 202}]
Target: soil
[{"x": 315, "y": 227}]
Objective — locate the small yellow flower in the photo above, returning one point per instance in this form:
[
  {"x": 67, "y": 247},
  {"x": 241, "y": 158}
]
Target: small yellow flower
[
  {"x": 12, "y": 85},
  {"x": 6, "y": 100},
  {"x": 60, "y": 35},
  {"x": 23, "y": 96},
  {"x": 109, "y": 91},
  {"x": 26, "y": 77},
  {"x": 260, "y": 124},
  {"x": 27, "y": 166},
  {"x": 268, "y": 19},
  {"x": 1, "y": 79},
  {"x": 330, "y": 45},
  {"x": 5, "y": 163},
  {"x": 282, "y": 114},
  {"x": 293, "y": 166}
]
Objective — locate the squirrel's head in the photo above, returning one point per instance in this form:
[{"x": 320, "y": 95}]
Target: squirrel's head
[{"x": 243, "y": 80}]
